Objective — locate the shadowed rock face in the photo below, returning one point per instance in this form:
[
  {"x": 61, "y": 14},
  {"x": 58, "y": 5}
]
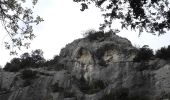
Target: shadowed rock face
[{"x": 102, "y": 69}]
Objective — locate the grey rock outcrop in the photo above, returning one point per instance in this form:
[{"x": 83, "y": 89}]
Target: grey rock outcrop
[{"x": 94, "y": 69}]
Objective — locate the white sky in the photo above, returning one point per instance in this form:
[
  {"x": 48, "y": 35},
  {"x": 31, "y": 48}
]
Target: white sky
[{"x": 64, "y": 22}]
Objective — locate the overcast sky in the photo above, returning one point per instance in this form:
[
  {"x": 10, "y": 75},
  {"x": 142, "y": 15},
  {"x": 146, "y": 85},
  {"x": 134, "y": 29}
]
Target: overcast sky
[{"x": 64, "y": 22}]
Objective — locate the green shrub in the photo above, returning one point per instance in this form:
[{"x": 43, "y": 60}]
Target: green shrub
[
  {"x": 93, "y": 35},
  {"x": 13, "y": 66},
  {"x": 163, "y": 53},
  {"x": 33, "y": 60},
  {"x": 144, "y": 54}
]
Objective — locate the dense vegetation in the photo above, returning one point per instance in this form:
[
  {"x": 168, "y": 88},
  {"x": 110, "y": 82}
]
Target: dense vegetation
[
  {"x": 93, "y": 35},
  {"x": 152, "y": 16},
  {"x": 163, "y": 53},
  {"x": 18, "y": 21},
  {"x": 143, "y": 54},
  {"x": 35, "y": 59}
]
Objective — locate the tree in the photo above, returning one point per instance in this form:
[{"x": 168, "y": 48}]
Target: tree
[
  {"x": 163, "y": 53},
  {"x": 37, "y": 56},
  {"x": 18, "y": 22},
  {"x": 153, "y": 16},
  {"x": 144, "y": 54},
  {"x": 35, "y": 59},
  {"x": 14, "y": 65},
  {"x": 25, "y": 56},
  {"x": 26, "y": 60}
]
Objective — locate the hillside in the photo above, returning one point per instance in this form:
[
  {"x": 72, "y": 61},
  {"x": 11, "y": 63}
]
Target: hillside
[{"x": 97, "y": 67}]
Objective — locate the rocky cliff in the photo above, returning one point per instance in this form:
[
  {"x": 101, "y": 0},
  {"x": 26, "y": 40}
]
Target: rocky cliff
[{"x": 101, "y": 68}]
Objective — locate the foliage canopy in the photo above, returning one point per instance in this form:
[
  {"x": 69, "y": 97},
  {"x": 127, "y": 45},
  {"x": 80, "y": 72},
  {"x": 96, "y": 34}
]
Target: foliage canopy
[
  {"x": 34, "y": 60},
  {"x": 163, "y": 53},
  {"x": 18, "y": 22},
  {"x": 144, "y": 54},
  {"x": 144, "y": 15}
]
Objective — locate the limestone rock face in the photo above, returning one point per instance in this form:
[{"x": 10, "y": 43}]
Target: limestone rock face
[
  {"x": 99, "y": 69},
  {"x": 110, "y": 48}
]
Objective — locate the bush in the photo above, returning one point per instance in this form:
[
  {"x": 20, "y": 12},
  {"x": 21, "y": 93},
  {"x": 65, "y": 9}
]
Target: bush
[
  {"x": 13, "y": 66},
  {"x": 163, "y": 53},
  {"x": 93, "y": 35},
  {"x": 55, "y": 64},
  {"x": 34, "y": 60},
  {"x": 26, "y": 60},
  {"x": 143, "y": 54},
  {"x": 29, "y": 74}
]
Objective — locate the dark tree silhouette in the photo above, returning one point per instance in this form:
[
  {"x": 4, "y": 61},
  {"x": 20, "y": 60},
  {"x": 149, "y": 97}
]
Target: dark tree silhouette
[
  {"x": 33, "y": 60},
  {"x": 37, "y": 56},
  {"x": 163, "y": 53},
  {"x": 144, "y": 54},
  {"x": 18, "y": 22},
  {"x": 14, "y": 65},
  {"x": 26, "y": 61},
  {"x": 25, "y": 55},
  {"x": 153, "y": 16}
]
